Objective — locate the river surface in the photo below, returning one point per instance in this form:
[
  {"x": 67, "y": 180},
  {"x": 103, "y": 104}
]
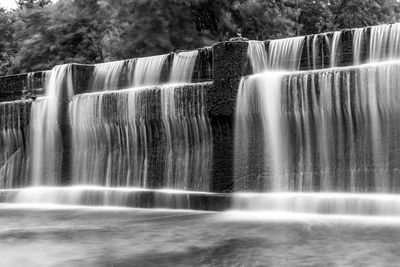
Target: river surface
[{"x": 78, "y": 236}]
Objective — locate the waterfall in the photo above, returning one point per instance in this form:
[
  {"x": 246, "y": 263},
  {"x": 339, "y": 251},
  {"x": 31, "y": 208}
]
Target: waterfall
[
  {"x": 260, "y": 106},
  {"x": 106, "y": 76},
  {"x": 46, "y": 141},
  {"x": 333, "y": 130},
  {"x": 182, "y": 66},
  {"x": 299, "y": 136},
  {"x": 112, "y": 132},
  {"x": 188, "y": 139},
  {"x": 109, "y": 138},
  {"x": 13, "y": 149},
  {"x": 285, "y": 53},
  {"x": 282, "y": 54},
  {"x": 188, "y": 136},
  {"x": 147, "y": 70},
  {"x": 334, "y": 48},
  {"x": 337, "y": 128},
  {"x": 316, "y": 46},
  {"x": 358, "y": 42},
  {"x": 124, "y": 74},
  {"x": 258, "y": 56},
  {"x": 37, "y": 80},
  {"x": 381, "y": 43}
]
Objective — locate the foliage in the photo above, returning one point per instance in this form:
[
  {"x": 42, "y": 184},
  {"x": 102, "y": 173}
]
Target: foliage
[
  {"x": 32, "y": 3},
  {"x": 142, "y": 28},
  {"x": 40, "y": 34}
]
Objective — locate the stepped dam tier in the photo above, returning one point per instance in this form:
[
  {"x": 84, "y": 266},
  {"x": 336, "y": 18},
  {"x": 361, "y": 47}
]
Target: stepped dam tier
[{"x": 307, "y": 124}]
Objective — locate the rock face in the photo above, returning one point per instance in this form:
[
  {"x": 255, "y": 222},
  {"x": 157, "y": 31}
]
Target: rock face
[{"x": 217, "y": 74}]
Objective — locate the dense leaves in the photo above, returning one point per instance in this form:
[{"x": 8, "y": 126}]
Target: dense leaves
[{"x": 40, "y": 34}]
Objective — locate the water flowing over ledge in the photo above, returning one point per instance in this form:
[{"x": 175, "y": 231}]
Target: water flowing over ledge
[
  {"x": 112, "y": 135},
  {"x": 135, "y": 197},
  {"x": 332, "y": 130},
  {"x": 135, "y": 123},
  {"x": 14, "y": 117},
  {"x": 327, "y": 50},
  {"x": 319, "y": 203}
]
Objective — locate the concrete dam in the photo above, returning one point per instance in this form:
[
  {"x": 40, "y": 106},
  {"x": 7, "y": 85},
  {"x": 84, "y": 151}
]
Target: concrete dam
[{"x": 303, "y": 124}]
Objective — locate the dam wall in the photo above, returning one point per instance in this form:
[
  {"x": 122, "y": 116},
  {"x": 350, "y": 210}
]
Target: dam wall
[{"x": 211, "y": 95}]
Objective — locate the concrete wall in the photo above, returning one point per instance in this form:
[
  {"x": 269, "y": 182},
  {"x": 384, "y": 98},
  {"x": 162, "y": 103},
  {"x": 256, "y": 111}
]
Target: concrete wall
[{"x": 224, "y": 64}]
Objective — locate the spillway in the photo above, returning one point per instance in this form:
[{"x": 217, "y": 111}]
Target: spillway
[
  {"x": 303, "y": 124},
  {"x": 321, "y": 141}
]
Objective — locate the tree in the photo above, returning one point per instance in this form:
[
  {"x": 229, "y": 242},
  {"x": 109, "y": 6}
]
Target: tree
[
  {"x": 32, "y": 3},
  {"x": 362, "y": 13},
  {"x": 41, "y": 34},
  {"x": 143, "y": 28},
  {"x": 67, "y": 31},
  {"x": 8, "y": 44}
]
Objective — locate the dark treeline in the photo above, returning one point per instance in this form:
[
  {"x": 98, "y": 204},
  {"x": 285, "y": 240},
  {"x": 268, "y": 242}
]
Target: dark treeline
[{"x": 40, "y": 34}]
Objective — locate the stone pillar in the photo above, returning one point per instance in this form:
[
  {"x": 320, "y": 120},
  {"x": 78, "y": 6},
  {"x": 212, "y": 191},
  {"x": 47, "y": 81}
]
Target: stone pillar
[{"x": 230, "y": 64}]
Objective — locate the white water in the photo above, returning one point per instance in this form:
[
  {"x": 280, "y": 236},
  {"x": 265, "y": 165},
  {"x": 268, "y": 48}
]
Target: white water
[
  {"x": 282, "y": 54},
  {"x": 109, "y": 138},
  {"x": 258, "y": 56},
  {"x": 320, "y": 203},
  {"x": 106, "y": 76},
  {"x": 334, "y": 48},
  {"x": 45, "y": 154},
  {"x": 382, "y": 42},
  {"x": 12, "y": 146},
  {"x": 285, "y": 54},
  {"x": 147, "y": 70},
  {"x": 187, "y": 131},
  {"x": 188, "y": 138},
  {"x": 332, "y": 130},
  {"x": 260, "y": 96},
  {"x": 124, "y": 74},
  {"x": 358, "y": 41},
  {"x": 113, "y": 132},
  {"x": 84, "y": 195},
  {"x": 182, "y": 66}
]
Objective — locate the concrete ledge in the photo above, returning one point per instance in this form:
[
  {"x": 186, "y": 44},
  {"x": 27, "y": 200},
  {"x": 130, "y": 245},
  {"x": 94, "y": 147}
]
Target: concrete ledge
[
  {"x": 121, "y": 197},
  {"x": 28, "y": 85}
]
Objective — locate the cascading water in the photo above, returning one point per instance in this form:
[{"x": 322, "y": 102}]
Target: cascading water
[
  {"x": 147, "y": 70},
  {"x": 358, "y": 42},
  {"x": 109, "y": 145},
  {"x": 320, "y": 45},
  {"x": 258, "y": 56},
  {"x": 258, "y": 107},
  {"x": 112, "y": 131},
  {"x": 282, "y": 54},
  {"x": 341, "y": 126},
  {"x": 188, "y": 136},
  {"x": 13, "y": 148},
  {"x": 130, "y": 73},
  {"x": 332, "y": 130},
  {"x": 381, "y": 43},
  {"x": 106, "y": 76},
  {"x": 285, "y": 53},
  {"x": 334, "y": 48},
  {"x": 182, "y": 67},
  {"x": 296, "y": 133},
  {"x": 46, "y": 150}
]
